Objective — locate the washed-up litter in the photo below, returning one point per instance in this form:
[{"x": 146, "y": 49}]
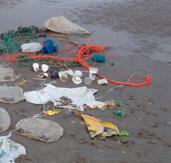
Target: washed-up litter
[
  {"x": 24, "y": 60},
  {"x": 62, "y": 25},
  {"x": 101, "y": 105},
  {"x": 97, "y": 127},
  {"x": 51, "y": 112},
  {"x": 12, "y": 40},
  {"x": 7, "y": 74},
  {"x": 10, "y": 94},
  {"x": 10, "y": 150},
  {"x": 121, "y": 108},
  {"x": 98, "y": 58},
  {"x": 5, "y": 120},
  {"x": 83, "y": 53},
  {"x": 44, "y": 130},
  {"x": 31, "y": 47},
  {"x": 49, "y": 46},
  {"x": 44, "y": 67},
  {"x": 43, "y": 75},
  {"x": 79, "y": 96},
  {"x": 36, "y": 67},
  {"x": 102, "y": 82},
  {"x": 77, "y": 77}
]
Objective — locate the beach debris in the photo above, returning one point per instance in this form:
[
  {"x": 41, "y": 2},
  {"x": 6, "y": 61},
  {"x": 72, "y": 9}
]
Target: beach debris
[
  {"x": 62, "y": 25},
  {"x": 77, "y": 77},
  {"x": 24, "y": 60},
  {"x": 63, "y": 77},
  {"x": 119, "y": 113},
  {"x": 7, "y": 74},
  {"x": 36, "y": 67},
  {"x": 43, "y": 75},
  {"x": 10, "y": 94},
  {"x": 31, "y": 47},
  {"x": 121, "y": 108},
  {"x": 40, "y": 129},
  {"x": 98, "y": 58},
  {"x": 22, "y": 82},
  {"x": 92, "y": 73},
  {"x": 97, "y": 127},
  {"x": 102, "y": 82},
  {"x": 101, "y": 105},
  {"x": 79, "y": 96},
  {"x": 10, "y": 150},
  {"x": 44, "y": 67},
  {"x": 12, "y": 40},
  {"x": 5, "y": 120},
  {"x": 49, "y": 46},
  {"x": 54, "y": 74},
  {"x": 51, "y": 112}
]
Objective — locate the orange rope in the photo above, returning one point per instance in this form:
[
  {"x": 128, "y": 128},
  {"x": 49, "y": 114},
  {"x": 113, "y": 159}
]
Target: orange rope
[{"x": 83, "y": 53}]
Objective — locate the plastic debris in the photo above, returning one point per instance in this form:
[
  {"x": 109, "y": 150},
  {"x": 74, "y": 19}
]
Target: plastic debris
[
  {"x": 92, "y": 73},
  {"x": 36, "y": 67},
  {"x": 7, "y": 74},
  {"x": 43, "y": 75},
  {"x": 78, "y": 96},
  {"x": 12, "y": 40},
  {"x": 49, "y": 46},
  {"x": 83, "y": 53},
  {"x": 5, "y": 120},
  {"x": 124, "y": 133},
  {"x": 119, "y": 113},
  {"x": 97, "y": 127},
  {"x": 54, "y": 74},
  {"x": 98, "y": 58},
  {"x": 97, "y": 104},
  {"x": 44, "y": 67},
  {"x": 24, "y": 60},
  {"x": 31, "y": 47},
  {"x": 63, "y": 25},
  {"x": 63, "y": 77},
  {"x": 11, "y": 94},
  {"x": 102, "y": 82},
  {"x": 77, "y": 77},
  {"x": 44, "y": 130},
  {"x": 10, "y": 150},
  {"x": 51, "y": 112}
]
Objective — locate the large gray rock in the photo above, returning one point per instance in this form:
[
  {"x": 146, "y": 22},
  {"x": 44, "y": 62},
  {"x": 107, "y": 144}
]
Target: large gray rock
[
  {"x": 5, "y": 120},
  {"x": 40, "y": 129}
]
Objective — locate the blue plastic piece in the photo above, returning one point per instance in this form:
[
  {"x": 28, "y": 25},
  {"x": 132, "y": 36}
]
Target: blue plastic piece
[
  {"x": 49, "y": 46},
  {"x": 98, "y": 58}
]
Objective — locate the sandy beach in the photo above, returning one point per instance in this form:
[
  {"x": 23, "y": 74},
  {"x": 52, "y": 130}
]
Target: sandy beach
[{"x": 139, "y": 34}]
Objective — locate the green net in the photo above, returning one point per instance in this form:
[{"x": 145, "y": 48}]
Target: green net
[{"x": 12, "y": 40}]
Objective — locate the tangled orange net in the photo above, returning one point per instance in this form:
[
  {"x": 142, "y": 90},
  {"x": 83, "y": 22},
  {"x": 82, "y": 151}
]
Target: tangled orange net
[{"x": 83, "y": 53}]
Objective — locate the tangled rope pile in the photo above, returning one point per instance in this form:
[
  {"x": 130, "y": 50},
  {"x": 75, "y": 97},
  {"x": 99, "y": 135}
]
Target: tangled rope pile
[{"x": 83, "y": 53}]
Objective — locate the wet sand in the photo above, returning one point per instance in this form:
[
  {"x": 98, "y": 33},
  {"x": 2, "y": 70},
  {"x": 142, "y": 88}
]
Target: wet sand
[{"x": 140, "y": 35}]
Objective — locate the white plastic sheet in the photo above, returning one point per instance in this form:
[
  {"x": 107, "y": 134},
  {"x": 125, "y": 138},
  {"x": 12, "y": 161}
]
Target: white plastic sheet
[
  {"x": 5, "y": 120},
  {"x": 62, "y": 25},
  {"x": 10, "y": 150},
  {"x": 79, "y": 96}
]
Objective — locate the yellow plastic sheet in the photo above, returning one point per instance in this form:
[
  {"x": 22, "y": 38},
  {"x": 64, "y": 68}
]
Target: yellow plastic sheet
[{"x": 97, "y": 127}]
